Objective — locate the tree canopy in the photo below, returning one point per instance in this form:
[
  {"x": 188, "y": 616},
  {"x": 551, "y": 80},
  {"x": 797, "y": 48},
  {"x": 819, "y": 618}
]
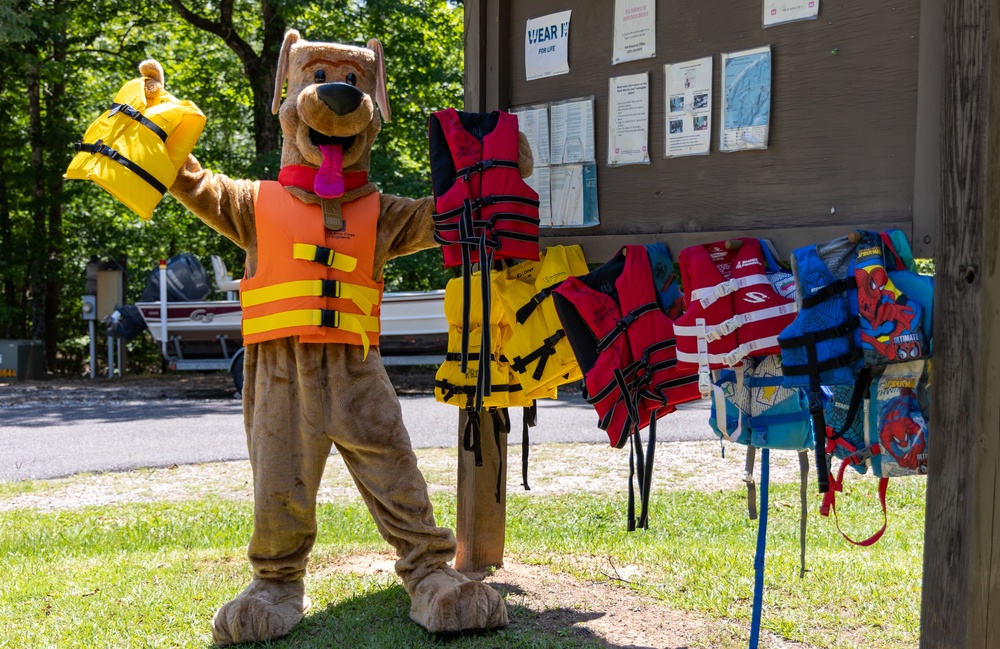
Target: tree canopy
[{"x": 62, "y": 62}]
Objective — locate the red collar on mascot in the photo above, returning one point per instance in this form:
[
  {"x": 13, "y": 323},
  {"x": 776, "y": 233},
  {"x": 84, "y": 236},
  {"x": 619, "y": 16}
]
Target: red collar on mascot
[{"x": 303, "y": 177}]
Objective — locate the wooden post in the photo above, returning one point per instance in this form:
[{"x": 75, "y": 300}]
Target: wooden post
[
  {"x": 481, "y": 520},
  {"x": 961, "y": 586}
]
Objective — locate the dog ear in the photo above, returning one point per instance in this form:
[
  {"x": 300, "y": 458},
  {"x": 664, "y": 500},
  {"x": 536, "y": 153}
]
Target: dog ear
[
  {"x": 153, "y": 72},
  {"x": 291, "y": 37},
  {"x": 381, "y": 98}
]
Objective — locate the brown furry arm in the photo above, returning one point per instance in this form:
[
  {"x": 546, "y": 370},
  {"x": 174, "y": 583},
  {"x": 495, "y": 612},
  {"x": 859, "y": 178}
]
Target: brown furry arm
[
  {"x": 405, "y": 225},
  {"x": 223, "y": 203}
]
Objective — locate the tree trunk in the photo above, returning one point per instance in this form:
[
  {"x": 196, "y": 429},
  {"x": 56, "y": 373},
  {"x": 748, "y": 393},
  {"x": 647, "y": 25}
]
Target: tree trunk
[
  {"x": 37, "y": 265},
  {"x": 58, "y": 160}
]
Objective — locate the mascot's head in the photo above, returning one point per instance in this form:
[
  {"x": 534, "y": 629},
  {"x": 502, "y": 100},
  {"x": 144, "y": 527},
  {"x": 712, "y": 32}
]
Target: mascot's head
[{"x": 329, "y": 117}]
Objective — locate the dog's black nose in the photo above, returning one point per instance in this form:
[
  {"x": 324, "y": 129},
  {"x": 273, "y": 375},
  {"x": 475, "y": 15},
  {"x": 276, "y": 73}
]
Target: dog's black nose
[{"x": 342, "y": 98}]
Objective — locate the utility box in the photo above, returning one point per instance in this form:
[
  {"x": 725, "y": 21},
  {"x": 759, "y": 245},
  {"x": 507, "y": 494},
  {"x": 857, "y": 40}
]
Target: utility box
[{"x": 21, "y": 360}]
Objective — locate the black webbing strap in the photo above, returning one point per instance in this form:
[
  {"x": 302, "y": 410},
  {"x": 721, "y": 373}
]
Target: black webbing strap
[
  {"x": 483, "y": 165},
  {"x": 858, "y": 395},
  {"x": 472, "y": 434},
  {"x": 101, "y": 148},
  {"x": 547, "y": 348},
  {"x": 830, "y": 290},
  {"x": 818, "y": 418},
  {"x": 624, "y": 324},
  {"x": 643, "y": 467},
  {"x": 501, "y": 426},
  {"x": 529, "y": 419},
  {"x": 536, "y": 301},
  {"x": 130, "y": 111},
  {"x": 842, "y": 330}
]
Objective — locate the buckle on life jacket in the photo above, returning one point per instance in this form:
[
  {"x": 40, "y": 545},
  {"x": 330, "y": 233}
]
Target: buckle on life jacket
[
  {"x": 721, "y": 290},
  {"x": 815, "y": 403},
  {"x": 724, "y": 329},
  {"x": 737, "y": 355},
  {"x": 704, "y": 382}
]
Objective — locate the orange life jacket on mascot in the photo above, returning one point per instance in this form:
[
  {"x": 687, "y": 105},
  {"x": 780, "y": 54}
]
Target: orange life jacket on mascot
[{"x": 312, "y": 282}]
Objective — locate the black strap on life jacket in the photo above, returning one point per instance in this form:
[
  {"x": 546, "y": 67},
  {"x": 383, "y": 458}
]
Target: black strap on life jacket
[
  {"x": 546, "y": 349},
  {"x": 536, "y": 301},
  {"x": 529, "y": 418},
  {"x": 643, "y": 467},
  {"x": 622, "y": 325},
  {"x": 100, "y": 148},
  {"x": 130, "y": 111},
  {"x": 472, "y": 435}
]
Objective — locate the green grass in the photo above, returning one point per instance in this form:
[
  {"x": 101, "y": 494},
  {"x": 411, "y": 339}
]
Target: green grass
[{"x": 152, "y": 575}]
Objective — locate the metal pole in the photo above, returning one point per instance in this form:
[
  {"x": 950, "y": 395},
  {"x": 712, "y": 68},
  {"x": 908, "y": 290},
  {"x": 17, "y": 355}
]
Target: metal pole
[
  {"x": 111, "y": 357},
  {"x": 163, "y": 308},
  {"x": 93, "y": 349}
]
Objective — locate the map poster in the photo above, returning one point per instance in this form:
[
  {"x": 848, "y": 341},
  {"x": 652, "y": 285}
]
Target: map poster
[
  {"x": 746, "y": 99},
  {"x": 546, "y": 46},
  {"x": 689, "y": 107},
  {"x": 635, "y": 30},
  {"x": 777, "y": 12},
  {"x": 628, "y": 120}
]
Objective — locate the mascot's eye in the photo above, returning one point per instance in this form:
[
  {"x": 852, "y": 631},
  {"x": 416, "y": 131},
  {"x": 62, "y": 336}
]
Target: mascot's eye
[
  {"x": 320, "y": 76},
  {"x": 352, "y": 78}
]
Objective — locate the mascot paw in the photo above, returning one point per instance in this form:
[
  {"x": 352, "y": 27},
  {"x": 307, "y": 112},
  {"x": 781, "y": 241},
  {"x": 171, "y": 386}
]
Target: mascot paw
[
  {"x": 446, "y": 601},
  {"x": 266, "y": 609}
]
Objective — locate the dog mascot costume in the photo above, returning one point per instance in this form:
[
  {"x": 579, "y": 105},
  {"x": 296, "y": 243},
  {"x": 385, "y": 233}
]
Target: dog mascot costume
[{"x": 314, "y": 376}]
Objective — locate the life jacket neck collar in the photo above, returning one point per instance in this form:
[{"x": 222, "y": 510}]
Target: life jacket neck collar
[{"x": 303, "y": 177}]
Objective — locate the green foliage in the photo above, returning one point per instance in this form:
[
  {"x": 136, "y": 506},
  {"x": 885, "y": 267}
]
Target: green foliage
[{"x": 91, "y": 48}]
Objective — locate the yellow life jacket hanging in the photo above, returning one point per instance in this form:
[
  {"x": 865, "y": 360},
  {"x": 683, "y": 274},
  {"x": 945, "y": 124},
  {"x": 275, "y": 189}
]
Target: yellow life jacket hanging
[
  {"x": 135, "y": 149},
  {"x": 538, "y": 350}
]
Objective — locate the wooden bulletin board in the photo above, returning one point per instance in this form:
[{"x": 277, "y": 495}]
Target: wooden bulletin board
[{"x": 855, "y": 128}]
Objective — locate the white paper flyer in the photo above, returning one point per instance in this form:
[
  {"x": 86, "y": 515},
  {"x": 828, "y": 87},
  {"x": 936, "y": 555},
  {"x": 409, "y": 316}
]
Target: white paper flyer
[
  {"x": 688, "y": 88},
  {"x": 777, "y": 12},
  {"x": 546, "y": 46},
  {"x": 571, "y": 131},
  {"x": 533, "y": 121},
  {"x": 746, "y": 99},
  {"x": 635, "y": 30},
  {"x": 628, "y": 120}
]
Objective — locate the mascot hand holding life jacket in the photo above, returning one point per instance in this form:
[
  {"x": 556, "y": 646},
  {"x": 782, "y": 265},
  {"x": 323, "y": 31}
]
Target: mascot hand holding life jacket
[{"x": 317, "y": 240}]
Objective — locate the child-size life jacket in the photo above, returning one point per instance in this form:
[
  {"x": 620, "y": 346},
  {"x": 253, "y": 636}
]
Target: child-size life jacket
[
  {"x": 135, "y": 149},
  {"x": 484, "y": 211},
  {"x": 538, "y": 350},
  {"x": 882, "y": 425},
  {"x": 732, "y": 309},
  {"x": 622, "y": 335},
  {"x": 851, "y": 315}
]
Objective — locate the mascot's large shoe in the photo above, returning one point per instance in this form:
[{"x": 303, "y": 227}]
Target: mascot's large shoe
[
  {"x": 317, "y": 241},
  {"x": 266, "y": 609},
  {"x": 445, "y": 601}
]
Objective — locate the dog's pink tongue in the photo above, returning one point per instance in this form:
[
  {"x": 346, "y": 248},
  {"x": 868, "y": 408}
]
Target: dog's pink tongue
[{"x": 329, "y": 181}]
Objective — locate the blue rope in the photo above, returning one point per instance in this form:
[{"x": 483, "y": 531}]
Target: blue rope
[{"x": 758, "y": 561}]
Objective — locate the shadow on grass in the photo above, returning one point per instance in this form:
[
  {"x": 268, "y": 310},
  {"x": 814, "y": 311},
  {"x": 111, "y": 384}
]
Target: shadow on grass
[{"x": 380, "y": 620}]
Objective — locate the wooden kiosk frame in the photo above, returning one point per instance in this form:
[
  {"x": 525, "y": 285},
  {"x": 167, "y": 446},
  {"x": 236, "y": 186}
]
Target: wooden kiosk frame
[{"x": 884, "y": 115}]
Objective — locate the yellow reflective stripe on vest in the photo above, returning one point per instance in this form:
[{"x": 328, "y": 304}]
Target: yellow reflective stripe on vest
[
  {"x": 359, "y": 324},
  {"x": 335, "y": 260},
  {"x": 365, "y": 298}
]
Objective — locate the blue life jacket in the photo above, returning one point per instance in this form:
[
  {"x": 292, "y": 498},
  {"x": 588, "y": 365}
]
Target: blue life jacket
[{"x": 852, "y": 315}]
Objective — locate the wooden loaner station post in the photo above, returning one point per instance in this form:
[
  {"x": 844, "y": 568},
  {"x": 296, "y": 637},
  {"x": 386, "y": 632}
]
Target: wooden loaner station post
[{"x": 883, "y": 115}]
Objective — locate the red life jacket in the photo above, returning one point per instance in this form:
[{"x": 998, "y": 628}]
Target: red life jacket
[
  {"x": 624, "y": 342},
  {"x": 484, "y": 208},
  {"x": 732, "y": 309}
]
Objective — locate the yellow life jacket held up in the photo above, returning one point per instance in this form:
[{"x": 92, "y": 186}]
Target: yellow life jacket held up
[
  {"x": 538, "y": 350},
  {"x": 312, "y": 282},
  {"x": 135, "y": 149}
]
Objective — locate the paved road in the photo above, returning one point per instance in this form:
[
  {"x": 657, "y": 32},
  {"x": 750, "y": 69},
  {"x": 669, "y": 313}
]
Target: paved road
[{"x": 49, "y": 440}]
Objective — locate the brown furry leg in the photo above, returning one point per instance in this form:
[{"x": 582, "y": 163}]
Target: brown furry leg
[
  {"x": 288, "y": 450},
  {"x": 376, "y": 447}
]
